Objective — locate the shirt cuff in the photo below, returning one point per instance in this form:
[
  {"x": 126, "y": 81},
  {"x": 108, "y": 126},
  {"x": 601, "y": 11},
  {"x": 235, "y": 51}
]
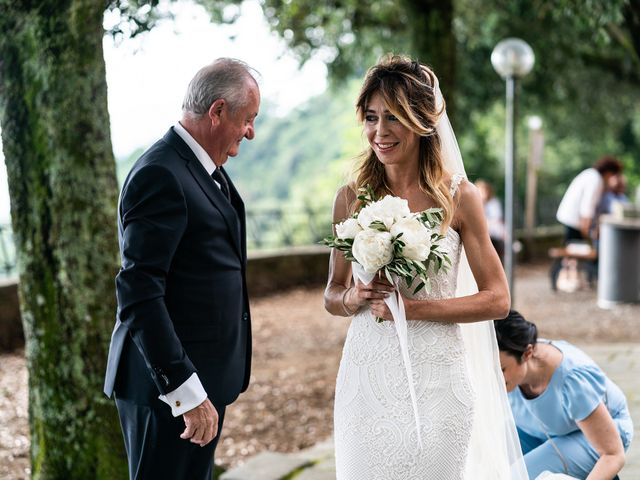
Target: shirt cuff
[{"x": 186, "y": 397}]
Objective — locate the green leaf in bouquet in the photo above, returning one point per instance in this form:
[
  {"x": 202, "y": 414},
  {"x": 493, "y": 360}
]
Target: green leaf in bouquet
[
  {"x": 366, "y": 195},
  {"x": 378, "y": 225},
  {"x": 399, "y": 245},
  {"x": 388, "y": 275}
]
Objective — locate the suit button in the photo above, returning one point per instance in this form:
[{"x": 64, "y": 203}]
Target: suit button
[{"x": 245, "y": 316}]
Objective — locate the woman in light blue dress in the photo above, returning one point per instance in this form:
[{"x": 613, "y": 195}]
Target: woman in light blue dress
[{"x": 571, "y": 417}]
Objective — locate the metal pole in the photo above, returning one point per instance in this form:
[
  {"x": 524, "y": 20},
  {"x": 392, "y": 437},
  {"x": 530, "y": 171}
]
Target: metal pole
[
  {"x": 509, "y": 185},
  {"x": 534, "y": 161}
]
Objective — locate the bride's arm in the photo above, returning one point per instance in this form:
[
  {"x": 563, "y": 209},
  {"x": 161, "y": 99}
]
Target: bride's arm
[
  {"x": 492, "y": 300},
  {"x": 341, "y": 297}
]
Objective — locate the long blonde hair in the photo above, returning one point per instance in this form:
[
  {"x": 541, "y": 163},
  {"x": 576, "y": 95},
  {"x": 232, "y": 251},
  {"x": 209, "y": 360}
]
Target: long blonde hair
[{"x": 408, "y": 89}]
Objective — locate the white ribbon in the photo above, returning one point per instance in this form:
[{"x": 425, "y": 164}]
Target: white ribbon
[{"x": 396, "y": 306}]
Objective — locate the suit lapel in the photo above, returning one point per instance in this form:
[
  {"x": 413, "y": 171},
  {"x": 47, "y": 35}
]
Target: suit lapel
[
  {"x": 238, "y": 205},
  {"x": 210, "y": 189}
]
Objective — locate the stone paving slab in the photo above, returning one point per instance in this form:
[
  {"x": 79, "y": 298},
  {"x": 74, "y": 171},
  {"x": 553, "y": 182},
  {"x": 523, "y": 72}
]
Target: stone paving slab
[
  {"x": 275, "y": 466},
  {"x": 620, "y": 361},
  {"x": 267, "y": 466}
]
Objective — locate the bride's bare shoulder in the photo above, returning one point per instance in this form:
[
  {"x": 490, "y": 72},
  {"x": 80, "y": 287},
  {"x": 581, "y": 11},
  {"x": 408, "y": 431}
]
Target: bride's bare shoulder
[
  {"x": 469, "y": 209},
  {"x": 344, "y": 199},
  {"x": 467, "y": 202},
  {"x": 467, "y": 191}
]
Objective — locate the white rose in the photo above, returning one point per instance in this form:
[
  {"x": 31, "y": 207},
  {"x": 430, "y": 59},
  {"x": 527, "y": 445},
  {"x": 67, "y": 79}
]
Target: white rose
[
  {"x": 348, "y": 229},
  {"x": 388, "y": 210},
  {"x": 372, "y": 249},
  {"x": 415, "y": 235}
]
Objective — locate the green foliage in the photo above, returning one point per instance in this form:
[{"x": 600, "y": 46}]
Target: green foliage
[
  {"x": 134, "y": 17},
  {"x": 350, "y": 35}
]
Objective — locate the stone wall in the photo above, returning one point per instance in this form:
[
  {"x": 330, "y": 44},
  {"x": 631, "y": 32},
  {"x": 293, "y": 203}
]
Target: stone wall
[
  {"x": 275, "y": 271},
  {"x": 267, "y": 272},
  {"x": 11, "y": 335}
]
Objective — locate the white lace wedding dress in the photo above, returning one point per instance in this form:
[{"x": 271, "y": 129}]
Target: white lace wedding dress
[{"x": 374, "y": 423}]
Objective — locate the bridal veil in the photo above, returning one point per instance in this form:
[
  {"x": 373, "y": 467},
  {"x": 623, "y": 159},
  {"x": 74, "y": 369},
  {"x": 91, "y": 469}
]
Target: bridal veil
[{"x": 494, "y": 451}]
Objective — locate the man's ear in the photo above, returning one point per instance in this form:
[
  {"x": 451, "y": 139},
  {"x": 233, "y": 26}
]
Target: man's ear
[{"x": 215, "y": 111}]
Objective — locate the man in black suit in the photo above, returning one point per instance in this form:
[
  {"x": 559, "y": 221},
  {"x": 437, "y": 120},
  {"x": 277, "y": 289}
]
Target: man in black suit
[{"x": 181, "y": 347}]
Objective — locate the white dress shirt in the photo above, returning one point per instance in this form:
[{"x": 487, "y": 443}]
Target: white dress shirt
[{"x": 581, "y": 198}]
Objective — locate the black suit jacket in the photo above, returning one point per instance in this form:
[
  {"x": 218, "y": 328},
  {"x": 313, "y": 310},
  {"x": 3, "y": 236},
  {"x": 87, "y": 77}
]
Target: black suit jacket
[{"x": 182, "y": 297}]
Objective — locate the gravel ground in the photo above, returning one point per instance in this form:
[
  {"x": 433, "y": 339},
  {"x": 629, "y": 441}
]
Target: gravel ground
[
  {"x": 14, "y": 426},
  {"x": 297, "y": 348}
]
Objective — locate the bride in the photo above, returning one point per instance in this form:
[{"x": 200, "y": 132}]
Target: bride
[{"x": 466, "y": 427}]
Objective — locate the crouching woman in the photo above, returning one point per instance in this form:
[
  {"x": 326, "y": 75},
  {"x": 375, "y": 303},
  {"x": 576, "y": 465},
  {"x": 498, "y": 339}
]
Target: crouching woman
[{"x": 571, "y": 417}]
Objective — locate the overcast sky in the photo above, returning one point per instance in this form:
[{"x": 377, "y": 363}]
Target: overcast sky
[{"x": 147, "y": 76}]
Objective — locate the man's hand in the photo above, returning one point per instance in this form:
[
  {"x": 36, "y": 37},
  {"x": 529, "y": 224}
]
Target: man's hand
[
  {"x": 585, "y": 227},
  {"x": 201, "y": 424}
]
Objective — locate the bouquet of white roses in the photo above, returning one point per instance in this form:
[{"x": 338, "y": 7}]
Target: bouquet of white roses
[{"x": 385, "y": 235}]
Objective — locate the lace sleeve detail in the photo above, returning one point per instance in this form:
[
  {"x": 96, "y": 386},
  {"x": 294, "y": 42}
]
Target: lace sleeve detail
[{"x": 455, "y": 183}]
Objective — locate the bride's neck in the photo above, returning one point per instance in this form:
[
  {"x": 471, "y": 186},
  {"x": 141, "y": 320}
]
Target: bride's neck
[{"x": 402, "y": 180}]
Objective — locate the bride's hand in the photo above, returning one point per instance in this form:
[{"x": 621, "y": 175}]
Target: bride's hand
[
  {"x": 380, "y": 309},
  {"x": 365, "y": 294}
]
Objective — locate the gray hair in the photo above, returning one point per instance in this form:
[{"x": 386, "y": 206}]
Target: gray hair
[{"x": 225, "y": 78}]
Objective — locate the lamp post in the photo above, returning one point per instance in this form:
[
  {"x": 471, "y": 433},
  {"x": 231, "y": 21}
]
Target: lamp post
[
  {"x": 512, "y": 58},
  {"x": 534, "y": 161}
]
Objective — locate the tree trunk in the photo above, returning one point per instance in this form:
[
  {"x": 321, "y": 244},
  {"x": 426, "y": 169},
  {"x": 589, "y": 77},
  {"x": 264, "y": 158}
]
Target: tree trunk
[
  {"x": 62, "y": 184},
  {"x": 434, "y": 43}
]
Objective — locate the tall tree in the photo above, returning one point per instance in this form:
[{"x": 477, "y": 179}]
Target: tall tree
[
  {"x": 585, "y": 83},
  {"x": 350, "y": 35},
  {"x": 61, "y": 171}
]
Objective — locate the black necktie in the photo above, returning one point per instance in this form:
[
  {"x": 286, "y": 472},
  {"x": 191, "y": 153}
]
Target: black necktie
[{"x": 224, "y": 186}]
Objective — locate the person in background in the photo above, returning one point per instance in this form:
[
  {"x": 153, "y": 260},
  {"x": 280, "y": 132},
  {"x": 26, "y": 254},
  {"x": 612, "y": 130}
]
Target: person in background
[
  {"x": 578, "y": 206},
  {"x": 614, "y": 193},
  {"x": 571, "y": 417},
  {"x": 493, "y": 213}
]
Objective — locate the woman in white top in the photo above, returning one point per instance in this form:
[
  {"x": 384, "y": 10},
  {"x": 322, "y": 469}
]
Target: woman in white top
[{"x": 578, "y": 206}]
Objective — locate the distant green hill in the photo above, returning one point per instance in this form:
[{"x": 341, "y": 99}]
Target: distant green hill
[{"x": 302, "y": 157}]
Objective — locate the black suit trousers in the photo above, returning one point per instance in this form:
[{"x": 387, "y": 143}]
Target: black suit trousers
[{"x": 154, "y": 447}]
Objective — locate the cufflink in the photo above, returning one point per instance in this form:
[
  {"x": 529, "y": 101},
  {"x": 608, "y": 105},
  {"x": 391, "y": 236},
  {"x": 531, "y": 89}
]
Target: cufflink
[{"x": 178, "y": 403}]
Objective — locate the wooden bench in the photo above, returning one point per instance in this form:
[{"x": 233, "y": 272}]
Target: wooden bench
[{"x": 586, "y": 262}]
